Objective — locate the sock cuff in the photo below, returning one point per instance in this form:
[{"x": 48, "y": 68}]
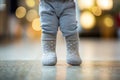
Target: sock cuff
[
  {"x": 72, "y": 37},
  {"x": 46, "y": 36}
]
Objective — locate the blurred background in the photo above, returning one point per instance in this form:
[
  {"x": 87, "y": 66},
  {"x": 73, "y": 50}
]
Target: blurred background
[
  {"x": 20, "y": 33},
  {"x": 19, "y": 20},
  {"x": 97, "y": 18}
]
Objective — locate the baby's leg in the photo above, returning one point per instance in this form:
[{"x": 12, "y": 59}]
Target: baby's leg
[
  {"x": 49, "y": 23},
  {"x": 68, "y": 27},
  {"x": 72, "y": 42}
]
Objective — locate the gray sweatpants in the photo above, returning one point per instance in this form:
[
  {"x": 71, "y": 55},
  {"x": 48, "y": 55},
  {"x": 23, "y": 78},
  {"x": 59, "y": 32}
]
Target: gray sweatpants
[{"x": 57, "y": 14}]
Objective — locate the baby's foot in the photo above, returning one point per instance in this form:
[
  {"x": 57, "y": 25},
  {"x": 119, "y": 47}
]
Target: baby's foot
[
  {"x": 72, "y": 44},
  {"x": 73, "y": 59},
  {"x": 49, "y": 59}
]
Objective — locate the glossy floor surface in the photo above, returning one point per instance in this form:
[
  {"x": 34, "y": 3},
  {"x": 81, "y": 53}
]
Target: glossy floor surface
[
  {"x": 32, "y": 70},
  {"x": 21, "y": 61}
]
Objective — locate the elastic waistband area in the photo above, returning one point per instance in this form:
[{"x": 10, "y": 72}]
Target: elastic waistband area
[{"x": 57, "y": 0}]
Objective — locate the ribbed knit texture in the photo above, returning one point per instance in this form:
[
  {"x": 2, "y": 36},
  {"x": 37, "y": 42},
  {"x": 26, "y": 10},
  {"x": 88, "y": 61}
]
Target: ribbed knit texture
[
  {"x": 48, "y": 45},
  {"x": 72, "y": 44}
]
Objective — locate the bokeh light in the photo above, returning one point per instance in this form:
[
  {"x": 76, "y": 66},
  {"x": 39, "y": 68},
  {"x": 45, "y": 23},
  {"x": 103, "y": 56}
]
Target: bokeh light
[
  {"x": 36, "y": 24},
  {"x": 105, "y": 4},
  {"x": 108, "y": 21},
  {"x": 30, "y": 3},
  {"x": 20, "y": 12},
  {"x": 96, "y": 11},
  {"x": 31, "y": 15},
  {"x": 85, "y": 4},
  {"x": 32, "y": 34},
  {"x": 87, "y": 20}
]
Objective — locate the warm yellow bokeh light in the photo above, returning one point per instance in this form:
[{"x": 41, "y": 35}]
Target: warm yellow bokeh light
[
  {"x": 96, "y": 11},
  {"x": 87, "y": 20},
  {"x": 108, "y": 21},
  {"x": 31, "y": 14},
  {"x": 105, "y": 4},
  {"x": 36, "y": 24},
  {"x": 85, "y": 4},
  {"x": 20, "y": 12},
  {"x": 30, "y": 3}
]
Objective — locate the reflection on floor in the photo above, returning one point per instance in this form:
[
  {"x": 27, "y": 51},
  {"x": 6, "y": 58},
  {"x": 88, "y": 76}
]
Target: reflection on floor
[
  {"x": 32, "y": 70},
  {"x": 21, "y": 61}
]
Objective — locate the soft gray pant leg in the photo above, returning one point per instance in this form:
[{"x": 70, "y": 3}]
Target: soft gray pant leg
[
  {"x": 48, "y": 18},
  {"x": 68, "y": 23}
]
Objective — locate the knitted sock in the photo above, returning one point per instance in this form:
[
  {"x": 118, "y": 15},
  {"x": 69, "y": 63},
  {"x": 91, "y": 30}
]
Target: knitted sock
[
  {"x": 48, "y": 45},
  {"x": 73, "y": 57}
]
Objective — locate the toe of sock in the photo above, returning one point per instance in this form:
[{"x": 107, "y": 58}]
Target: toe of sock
[
  {"x": 49, "y": 61},
  {"x": 74, "y": 61}
]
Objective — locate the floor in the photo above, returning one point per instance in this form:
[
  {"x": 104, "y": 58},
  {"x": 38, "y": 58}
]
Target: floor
[
  {"x": 20, "y": 60},
  {"x": 32, "y": 70}
]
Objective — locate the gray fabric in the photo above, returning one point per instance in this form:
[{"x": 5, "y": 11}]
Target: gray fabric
[
  {"x": 46, "y": 36},
  {"x": 53, "y": 15},
  {"x": 58, "y": 14},
  {"x": 48, "y": 45},
  {"x": 56, "y": 0},
  {"x": 72, "y": 44}
]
